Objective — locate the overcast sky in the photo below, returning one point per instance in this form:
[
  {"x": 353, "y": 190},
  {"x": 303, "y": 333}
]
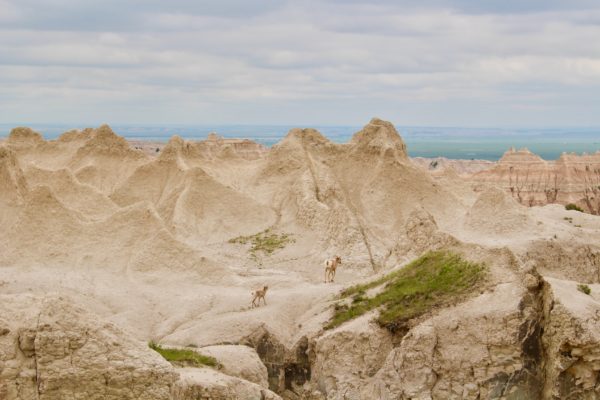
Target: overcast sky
[{"x": 310, "y": 62}]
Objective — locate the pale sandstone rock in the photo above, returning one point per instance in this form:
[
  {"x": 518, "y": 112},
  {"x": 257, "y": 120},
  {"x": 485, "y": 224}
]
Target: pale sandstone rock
[
  {"x": 24, "y": 137},
  {"x": 53, "y": 351},
  {"x": 206, "y": 383},
  {"x": 572, "y": 342},
  {"x": 533, "y": 181},
  {"x": 495, "y": 213},
  {"x": 423, "y": 233},
  {"x": 381, "y": 138},
  {"x": 570, "y": 259},
  {"x": 352, "y": 198},
  {"x": 531, "y": 282},
  {"x": 474, "y": 350},
  {"x": 346, "y": 357},
  {"x": 239, "y": 361}
]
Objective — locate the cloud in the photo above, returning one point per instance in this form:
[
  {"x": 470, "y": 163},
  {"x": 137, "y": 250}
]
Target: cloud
[{"x": 328, "y": 61}]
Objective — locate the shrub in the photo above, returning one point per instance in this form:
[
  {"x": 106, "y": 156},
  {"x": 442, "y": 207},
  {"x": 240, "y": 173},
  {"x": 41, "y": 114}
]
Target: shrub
[
  {"x": 265, "y": 242},
  {"x": 183, "y": 356},
  {"x": 572, "y": 206},
  {"x": 434, "y": 279},
  {"x": 584, "y": 288}
]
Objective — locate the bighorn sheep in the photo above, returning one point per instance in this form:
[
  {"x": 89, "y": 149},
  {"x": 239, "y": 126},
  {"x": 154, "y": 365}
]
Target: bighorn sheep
[
  {"x": 259, "y": 294},
  {"x": 330, "y": 267}
]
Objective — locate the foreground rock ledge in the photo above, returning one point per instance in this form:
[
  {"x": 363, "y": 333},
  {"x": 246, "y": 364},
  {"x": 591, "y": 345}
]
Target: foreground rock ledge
[{"x": 53, "y": 350}]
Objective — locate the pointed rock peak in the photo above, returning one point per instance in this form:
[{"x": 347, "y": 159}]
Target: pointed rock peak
[
  {"x": 24, "y": 135},
  {"x": 105, "y": 132},
  {"x": 176, "y": 141},
  {"x": 173, "y": 149},
  {"x": 213, "y": 137},
  {"x": 305, "y": 136},
  {"x": 379, "y": 137},
  {"x": 73, "y": 135},
  {"x": 104, "y": 136},
  {"x": 104, "y": 129},
  {"x": 103, "y": 141}
]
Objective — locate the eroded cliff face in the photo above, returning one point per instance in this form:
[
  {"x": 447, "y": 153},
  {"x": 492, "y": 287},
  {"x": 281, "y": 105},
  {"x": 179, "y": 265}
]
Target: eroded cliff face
[
  {"x": 522, "y": 336},
  {"x": 522, "y": 340},
  {"x": 570, "y": 340},
  {"x": 533, "y": 181},
  {"x": 50, "y": 349}
]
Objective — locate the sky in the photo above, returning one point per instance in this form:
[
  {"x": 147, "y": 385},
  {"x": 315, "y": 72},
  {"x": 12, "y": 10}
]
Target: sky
[{"x": 322, "y": 62}]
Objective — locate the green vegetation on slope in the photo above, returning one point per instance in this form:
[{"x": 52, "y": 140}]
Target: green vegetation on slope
[
  {"x": 265, "y": 242},
  {"x": 584, "y": 288},
  {"x": 572, "y": 206},
  {"x": 434, "y": 279},
  {"x": 184, "y": 356}
]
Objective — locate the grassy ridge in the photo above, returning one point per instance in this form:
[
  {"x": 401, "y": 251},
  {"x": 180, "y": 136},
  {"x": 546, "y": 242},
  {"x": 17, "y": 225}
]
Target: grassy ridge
[
  {"x": 184, "y": 356},
  {"x": 434, "y": 279}
]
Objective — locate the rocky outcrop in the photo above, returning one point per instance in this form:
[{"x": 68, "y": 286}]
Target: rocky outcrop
[
  {"x": 423, "y": 234},
  {"x": 193, "y": 204},
  {"x": 351, "y": 195},
  {"x": 206, "y": 383},
  {"x": 463, "y": 353},
  {"x": 24, "y": 137},
  {"x": 50, "y": 350},
  {"x": 218, "y": 147},
  {"x": 533, "y": 181},
  {"x": 380, "y": 138},
  {"x": 288, "y": 369},
  {"x": 214, "y": 148},
  {"x": 347, "y": 357},
  {"x": 239, "y": 361},
  {"x": 565, "y": 260},
  {"x": 495, "y": 213},
  {"x": 571, "y": 342},
  {"x": 528, "y": 338}
]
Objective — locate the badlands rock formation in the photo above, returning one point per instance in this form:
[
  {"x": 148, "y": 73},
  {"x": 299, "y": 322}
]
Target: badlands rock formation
[
  {"x": 533, "y": 181},
  {"x": 462, "y": 167},
  {"x": 105, "y": 246}
]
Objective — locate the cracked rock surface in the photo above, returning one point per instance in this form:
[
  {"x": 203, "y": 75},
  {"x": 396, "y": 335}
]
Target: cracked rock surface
[{"x": 50, "y": 349}]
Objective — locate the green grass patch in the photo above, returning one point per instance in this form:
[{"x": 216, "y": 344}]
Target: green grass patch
[
  {"x": 434, "y": 279},
  {"x": 265, "y": 242},
  {"x": 572, "y": 206},
  {"x": 184, "y": 356},
  {"x": 584, "y": 288}
]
